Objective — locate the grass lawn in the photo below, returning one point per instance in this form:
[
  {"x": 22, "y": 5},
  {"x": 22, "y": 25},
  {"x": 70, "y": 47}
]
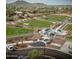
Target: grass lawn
[
  {"x": 50, "y": 18},
  {"x": 57, "y": 18},
  {"x": 12, "y": 31},
  {"x": 39, "y": 23}
]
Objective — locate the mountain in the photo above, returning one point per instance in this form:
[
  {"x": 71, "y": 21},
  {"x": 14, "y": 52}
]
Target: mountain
[
  {"x": 25, "y": 4},
  {"x": 20, "y": 2}
]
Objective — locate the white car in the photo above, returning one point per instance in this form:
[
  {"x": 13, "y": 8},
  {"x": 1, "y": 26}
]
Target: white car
[
  {"x": 10, "y": 47},
  {"x": 51, "y": 32}
]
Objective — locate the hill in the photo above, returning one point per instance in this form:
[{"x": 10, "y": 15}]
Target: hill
[{"x": 25, "y": 4}]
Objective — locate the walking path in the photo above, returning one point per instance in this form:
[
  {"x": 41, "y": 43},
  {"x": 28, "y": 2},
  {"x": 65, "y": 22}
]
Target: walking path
[{"x": 24, "y": 42}]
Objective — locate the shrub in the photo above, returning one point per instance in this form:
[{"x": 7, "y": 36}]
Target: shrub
[{"x": 35, "y": 54}]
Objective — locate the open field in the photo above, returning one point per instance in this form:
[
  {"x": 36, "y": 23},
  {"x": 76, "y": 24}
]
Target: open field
[
  {"x": 39, "y": 23},
  {"x": 44, "y": 22},
  {"x": 57, "y": 18},
  {"x": 12, "y": 31}
]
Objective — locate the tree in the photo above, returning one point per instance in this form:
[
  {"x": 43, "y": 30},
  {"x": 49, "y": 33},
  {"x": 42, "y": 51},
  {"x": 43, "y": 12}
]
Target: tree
[
  {"x": 9, "y": 18},
  {"x": 10, "y": 11}
]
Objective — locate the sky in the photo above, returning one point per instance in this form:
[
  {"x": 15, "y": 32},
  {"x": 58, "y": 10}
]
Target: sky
[{"x": 48, "y": 2}]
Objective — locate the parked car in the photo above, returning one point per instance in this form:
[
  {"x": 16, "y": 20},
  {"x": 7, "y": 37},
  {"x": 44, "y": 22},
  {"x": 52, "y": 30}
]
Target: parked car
[{"x": 10, "y": 47}]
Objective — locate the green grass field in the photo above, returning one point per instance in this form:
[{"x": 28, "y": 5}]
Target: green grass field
[
  {"x": 39, "y": 23},
  {"x": 12, "y": 31},
  {"x": 57, "y": 18}
]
